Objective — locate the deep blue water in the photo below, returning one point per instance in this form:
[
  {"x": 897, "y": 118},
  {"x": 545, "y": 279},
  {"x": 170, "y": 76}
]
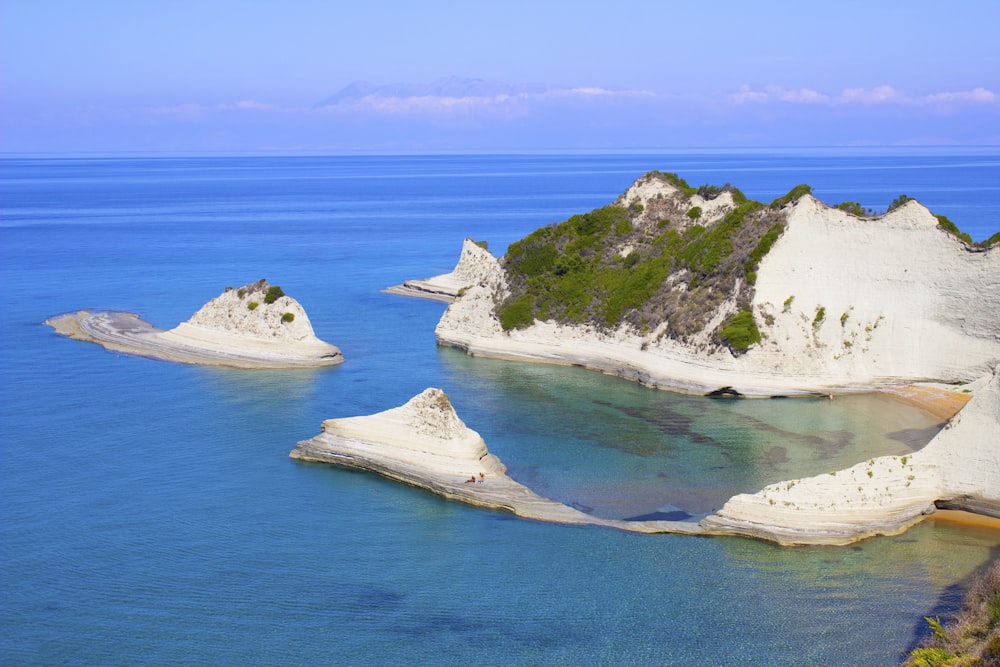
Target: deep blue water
[{"x": 149, "y": 513}]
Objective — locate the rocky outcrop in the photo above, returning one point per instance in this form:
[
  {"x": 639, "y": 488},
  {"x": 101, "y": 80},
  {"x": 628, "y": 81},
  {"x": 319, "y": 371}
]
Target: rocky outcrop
[
  {"x": 255, "y": 326},
  {"x": 423, "y": 443},
  {"x": 474, "y": 263}
]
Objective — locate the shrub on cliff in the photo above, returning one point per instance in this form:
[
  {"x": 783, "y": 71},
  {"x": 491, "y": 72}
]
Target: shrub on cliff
[
  {"x": 740, "y": 332},
  {"x": 950, "y": 227},
  {"x": 273, "y": 294},
  {"x": 973, "y": 636},
  {"x": 574, "y": 272},
  {"x": 897, "y": 202},
  {"x": 798, "y": 191}
]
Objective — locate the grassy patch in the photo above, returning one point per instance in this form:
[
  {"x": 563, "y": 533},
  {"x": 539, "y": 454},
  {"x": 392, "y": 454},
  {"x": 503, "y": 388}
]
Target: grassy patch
[{"x": 741, "y": 331}]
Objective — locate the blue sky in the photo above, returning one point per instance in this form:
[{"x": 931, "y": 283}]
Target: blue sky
[{"x": 228, "y": 75}]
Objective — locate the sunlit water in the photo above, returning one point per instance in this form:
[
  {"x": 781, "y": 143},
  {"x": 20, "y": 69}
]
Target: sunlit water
[{"x": 149, "y": 513}]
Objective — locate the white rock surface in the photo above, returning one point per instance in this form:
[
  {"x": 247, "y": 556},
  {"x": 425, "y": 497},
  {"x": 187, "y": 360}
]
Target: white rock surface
[
  {"x": 447, "y": 286},
  {"x": 226, "y": 331},
  {"x": 904, "y": 301}
]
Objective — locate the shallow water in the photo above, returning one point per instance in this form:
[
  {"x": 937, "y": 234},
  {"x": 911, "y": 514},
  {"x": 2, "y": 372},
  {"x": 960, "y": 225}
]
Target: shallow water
[{"x": 149, "y": 512}]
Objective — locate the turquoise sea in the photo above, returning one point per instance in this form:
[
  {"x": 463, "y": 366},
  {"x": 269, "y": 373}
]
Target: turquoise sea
[{"x": 149, "y": 513}]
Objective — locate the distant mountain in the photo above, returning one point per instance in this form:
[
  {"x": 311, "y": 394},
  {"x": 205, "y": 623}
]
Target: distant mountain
[{"x": 448, "y": 87}]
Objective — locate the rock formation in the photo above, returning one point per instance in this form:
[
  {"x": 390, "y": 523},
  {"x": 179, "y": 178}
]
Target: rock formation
[
  {"x": 255, "y": 326},
  {"x": 424, "y": 443},
  {"x": 841, "y": 303},
  {"x": 473, "y": 261}
]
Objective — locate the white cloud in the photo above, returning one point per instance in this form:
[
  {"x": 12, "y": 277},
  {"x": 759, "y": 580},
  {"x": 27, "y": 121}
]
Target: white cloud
[{"x": 874, "y": 96}]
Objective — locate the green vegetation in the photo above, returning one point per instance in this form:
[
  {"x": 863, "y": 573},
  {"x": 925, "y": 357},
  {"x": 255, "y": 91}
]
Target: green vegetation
[
  {"x": 992, "y": 240},
  {"x": 273, "y": 294},
  {"x": 897, "y": 202},
  {"x": 820, "y": 316},
  {"x": 252, "y": 305},
  {"x": 741, "y": 331},
  {"x": 760, "y": 250},
  {"x": 241, "y": 292},
  {"x": 798, "y": 191},
  {"x": 575, "y": 271},
  {"x": 675, "y": 180},
  {"x": 973, "y": 636},
  {"x": 288, "y": 317},
  {"x": 483, "y": 244},
  {"x": 950, "y": 227},
  {"x": 856, "y": 209},
  {"x": 788, "y": 303}
]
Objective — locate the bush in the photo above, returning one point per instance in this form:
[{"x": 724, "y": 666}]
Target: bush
[
  {"x": 798, "y": 191},
  {"x": 992, "y": 240},
  {"x": 950, "y": 227},
  {"x": 820, "y": 316},
  {"x": 252, "y": 305},
  {"x": 741, "y": 331},
  {"x": 694, "y": 212},
  {"x": 973, "y": 636},
  {"x": 288, "y": 317},
  {"x": 273, "y": 294},
  {"x": 517, "y": 314},
  {"x": 854, "y": 208},
  {"x": 897, "y": 202}
]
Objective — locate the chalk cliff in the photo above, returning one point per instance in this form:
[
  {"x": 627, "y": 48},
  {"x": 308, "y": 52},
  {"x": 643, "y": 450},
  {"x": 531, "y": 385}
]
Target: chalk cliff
[
  {"x": 841, "y": 302},
  {"x": 473, "y": 261}
]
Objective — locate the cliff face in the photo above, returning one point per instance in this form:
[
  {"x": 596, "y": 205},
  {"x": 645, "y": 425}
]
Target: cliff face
[
  {"x": 838, "y": 301},
  {"x": 894, "y": 297}
]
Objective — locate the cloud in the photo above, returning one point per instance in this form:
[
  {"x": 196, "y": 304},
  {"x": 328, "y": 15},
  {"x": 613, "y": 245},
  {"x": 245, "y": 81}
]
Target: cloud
[
  {"x": 878, "y": 95},
  {"x": 457, "y": 95}
]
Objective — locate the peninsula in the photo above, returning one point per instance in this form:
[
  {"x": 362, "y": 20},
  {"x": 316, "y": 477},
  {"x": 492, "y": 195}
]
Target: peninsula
[
  {"x": 254, "y": 326},
  {"x": 703, "y": 291}
]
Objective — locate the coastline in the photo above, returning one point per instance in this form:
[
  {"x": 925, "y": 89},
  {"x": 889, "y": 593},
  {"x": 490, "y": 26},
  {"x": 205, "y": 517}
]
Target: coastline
[{"x": 959, "y": 469}]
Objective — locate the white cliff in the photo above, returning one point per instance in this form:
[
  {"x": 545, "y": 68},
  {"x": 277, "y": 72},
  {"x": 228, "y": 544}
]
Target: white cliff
[
  {"x": 448, "y": 286},
  {"x": 842, "y": 303}
]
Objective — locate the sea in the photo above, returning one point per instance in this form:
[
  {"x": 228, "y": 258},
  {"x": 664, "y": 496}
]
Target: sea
[{"x": 150, "y": 514}]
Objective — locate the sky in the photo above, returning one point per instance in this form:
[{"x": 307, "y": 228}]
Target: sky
[{"x": 79, "y": 76}]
